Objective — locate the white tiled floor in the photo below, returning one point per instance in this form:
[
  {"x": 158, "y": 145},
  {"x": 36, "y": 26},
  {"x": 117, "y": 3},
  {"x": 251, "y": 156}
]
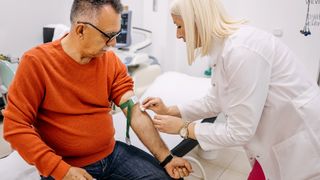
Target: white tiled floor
[
  {"x": 4, "y": 146},
  {"x": 230, "y": 164}
]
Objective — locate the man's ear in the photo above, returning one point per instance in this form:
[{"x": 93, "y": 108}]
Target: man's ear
[{"x": 80, "y": 30}]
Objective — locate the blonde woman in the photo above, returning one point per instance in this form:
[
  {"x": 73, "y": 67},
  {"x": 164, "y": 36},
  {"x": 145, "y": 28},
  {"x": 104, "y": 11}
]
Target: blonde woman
[{"x": 271, "y": 107}]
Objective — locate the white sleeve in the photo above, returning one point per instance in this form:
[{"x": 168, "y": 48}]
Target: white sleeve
[
  {"x": 247, "y": 74},
  {"x": 201, "y": 108}
]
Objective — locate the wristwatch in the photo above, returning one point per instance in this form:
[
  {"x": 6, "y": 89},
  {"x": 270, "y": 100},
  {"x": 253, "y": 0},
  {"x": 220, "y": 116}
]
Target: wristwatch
[{"x": 184, "y": 132}]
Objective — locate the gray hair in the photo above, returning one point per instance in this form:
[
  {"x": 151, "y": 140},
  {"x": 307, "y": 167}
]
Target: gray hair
[{"x": 87, "y": 10}]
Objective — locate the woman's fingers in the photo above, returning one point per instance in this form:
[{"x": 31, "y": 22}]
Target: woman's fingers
[
  {"x": 146, "y": 100},
  {"x": 158, "y": 124},
  {"x": 149, "y": 101}
]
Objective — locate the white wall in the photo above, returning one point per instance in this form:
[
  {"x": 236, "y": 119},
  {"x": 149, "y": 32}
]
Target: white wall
[
  {"x": 286, "y": 15},
  {"x": 137, "y": 7},
  {"x": 21, "y": 25},
  {"x": 165, "y": 47},
  {"x": 21, "y": 22}
]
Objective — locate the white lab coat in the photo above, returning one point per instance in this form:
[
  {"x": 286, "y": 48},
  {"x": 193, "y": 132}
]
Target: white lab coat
[{"x": 270, "y": 105}]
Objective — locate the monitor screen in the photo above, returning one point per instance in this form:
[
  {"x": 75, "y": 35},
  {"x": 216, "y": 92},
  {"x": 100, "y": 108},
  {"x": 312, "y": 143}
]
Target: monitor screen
[{"x": 124, "y": 39}]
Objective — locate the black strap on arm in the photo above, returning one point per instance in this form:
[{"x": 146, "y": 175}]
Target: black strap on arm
[{"x": 187, "y": 145}]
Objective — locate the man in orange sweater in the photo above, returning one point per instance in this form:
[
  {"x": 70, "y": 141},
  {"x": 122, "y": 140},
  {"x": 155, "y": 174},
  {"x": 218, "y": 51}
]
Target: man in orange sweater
[{"x": 58, "y": 117}]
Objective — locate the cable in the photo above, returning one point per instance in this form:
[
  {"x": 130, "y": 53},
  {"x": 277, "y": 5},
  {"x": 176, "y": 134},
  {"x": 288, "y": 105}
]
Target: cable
[
  {"x": 154, "y": 60},
  {"x": 141, "y": 45},
  {"x": 306, "y": 29},
  {"x": 203, "y": 172},
  {"x": 142, "y": 29}
]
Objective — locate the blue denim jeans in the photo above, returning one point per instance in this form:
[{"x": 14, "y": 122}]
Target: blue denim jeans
[{"x": 125, "y": 163}]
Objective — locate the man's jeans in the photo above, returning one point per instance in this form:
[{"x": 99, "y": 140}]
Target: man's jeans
[{"x": 125, "y": 163}]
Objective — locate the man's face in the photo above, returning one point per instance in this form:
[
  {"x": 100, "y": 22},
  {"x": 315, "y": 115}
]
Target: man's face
[
  {"x": 98, "y": 37},
  {"x": 177, "y": 20}
]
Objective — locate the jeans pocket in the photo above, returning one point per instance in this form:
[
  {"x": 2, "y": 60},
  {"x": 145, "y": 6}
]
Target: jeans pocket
[
  {"x": 94, "y": 169},
  {"x": 297, "y": 157}
]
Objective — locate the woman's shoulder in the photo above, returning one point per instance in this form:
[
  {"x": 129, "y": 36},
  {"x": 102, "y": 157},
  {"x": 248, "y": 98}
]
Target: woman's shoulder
[
  {"x": 247, "y": 34},
  {"x": 251, "y": 38}
]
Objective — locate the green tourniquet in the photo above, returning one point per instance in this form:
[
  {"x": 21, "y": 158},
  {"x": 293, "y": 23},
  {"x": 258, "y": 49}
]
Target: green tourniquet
[{"x": 128, "y": 104}]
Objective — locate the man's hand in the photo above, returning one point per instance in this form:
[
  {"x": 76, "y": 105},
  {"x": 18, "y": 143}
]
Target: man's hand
[
  {"x": 167, "y": 124},
  {"x": 178, "y": 168},
  {"x": 75, "y": 173},
  {"x": 155, "y": 104}
]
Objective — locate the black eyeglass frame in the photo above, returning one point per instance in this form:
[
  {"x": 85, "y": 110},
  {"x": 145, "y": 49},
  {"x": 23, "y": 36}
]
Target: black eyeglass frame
[{"x": 110, "y": 36}]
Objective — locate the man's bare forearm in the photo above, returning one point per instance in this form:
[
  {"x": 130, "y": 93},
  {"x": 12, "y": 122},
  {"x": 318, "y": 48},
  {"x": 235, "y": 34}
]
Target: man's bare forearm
[{"x": 142, "y": 125}]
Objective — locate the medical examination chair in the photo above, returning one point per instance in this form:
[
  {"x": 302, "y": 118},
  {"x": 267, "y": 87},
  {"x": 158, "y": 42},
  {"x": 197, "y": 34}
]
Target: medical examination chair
[
  {"x": 7, "y": 71},
  {"x": 186, "y": 145}
]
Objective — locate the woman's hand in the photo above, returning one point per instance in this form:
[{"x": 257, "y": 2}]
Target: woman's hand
[
  {"x": 156, "y": 105},
  {"x": 168, "y": 124}
]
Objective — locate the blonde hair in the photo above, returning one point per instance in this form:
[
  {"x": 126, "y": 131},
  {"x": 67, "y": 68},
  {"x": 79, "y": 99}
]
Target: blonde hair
[{"x": 205, "y": 19}]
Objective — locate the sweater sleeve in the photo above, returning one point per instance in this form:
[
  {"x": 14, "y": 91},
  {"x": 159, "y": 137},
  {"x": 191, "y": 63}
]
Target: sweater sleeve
[
  {"x": 24, "y": 97},
  {"x": 122, "y": 82}
]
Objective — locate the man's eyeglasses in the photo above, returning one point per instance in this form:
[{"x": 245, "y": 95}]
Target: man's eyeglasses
[{"x": 110, "y": 35}]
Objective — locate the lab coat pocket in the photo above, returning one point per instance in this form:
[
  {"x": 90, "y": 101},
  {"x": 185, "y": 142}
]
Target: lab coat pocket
[
  {"x": 297, "y": 158},
  {"x": 310, "y": 114}
]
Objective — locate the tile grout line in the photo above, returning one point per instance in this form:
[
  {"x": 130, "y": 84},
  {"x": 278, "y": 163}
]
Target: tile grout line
[{"x": 227, "y": 167}]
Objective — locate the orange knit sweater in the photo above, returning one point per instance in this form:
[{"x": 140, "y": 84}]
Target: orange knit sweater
[{"x": 58, "y": 110}]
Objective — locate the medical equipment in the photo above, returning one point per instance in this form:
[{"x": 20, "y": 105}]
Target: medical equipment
[
  {"x": 142, "y": 67},
  {"x": 203, "y": 172},
  {"x": 306, "y": 29},
  {"x": 319, "y": 74},
  {"x": 124, "y": 38},
  {"x": 130, "y": 55},
  {"x": 7, "y": 71},
  {"x": 53, "y": 32}
]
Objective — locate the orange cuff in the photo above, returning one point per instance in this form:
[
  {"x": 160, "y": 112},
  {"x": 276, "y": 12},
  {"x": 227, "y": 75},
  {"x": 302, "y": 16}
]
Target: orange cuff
[{"x": 61, "y": 170}]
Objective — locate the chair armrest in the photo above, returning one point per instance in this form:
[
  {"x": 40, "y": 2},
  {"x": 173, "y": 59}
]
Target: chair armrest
[{"x": 186, "y": 145}]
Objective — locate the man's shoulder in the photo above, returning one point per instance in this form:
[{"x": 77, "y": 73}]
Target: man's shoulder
[
  {"x": 39, "y": 51},
  {"x": 111, "y": 54},
  {"x": 41, "y": 48},
  {"x": 112, "y": 58}
]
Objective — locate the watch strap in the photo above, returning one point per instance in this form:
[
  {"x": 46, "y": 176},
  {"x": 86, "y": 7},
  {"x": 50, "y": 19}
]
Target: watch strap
[
  {"x": 185, "y": 127},
  {"x": 166, "y": 160}
]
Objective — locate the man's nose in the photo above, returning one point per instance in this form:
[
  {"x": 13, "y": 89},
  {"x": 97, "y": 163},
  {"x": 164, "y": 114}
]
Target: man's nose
[
  {"x": 112, "y": 43},
  {"x": 179, "y": 36}
]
